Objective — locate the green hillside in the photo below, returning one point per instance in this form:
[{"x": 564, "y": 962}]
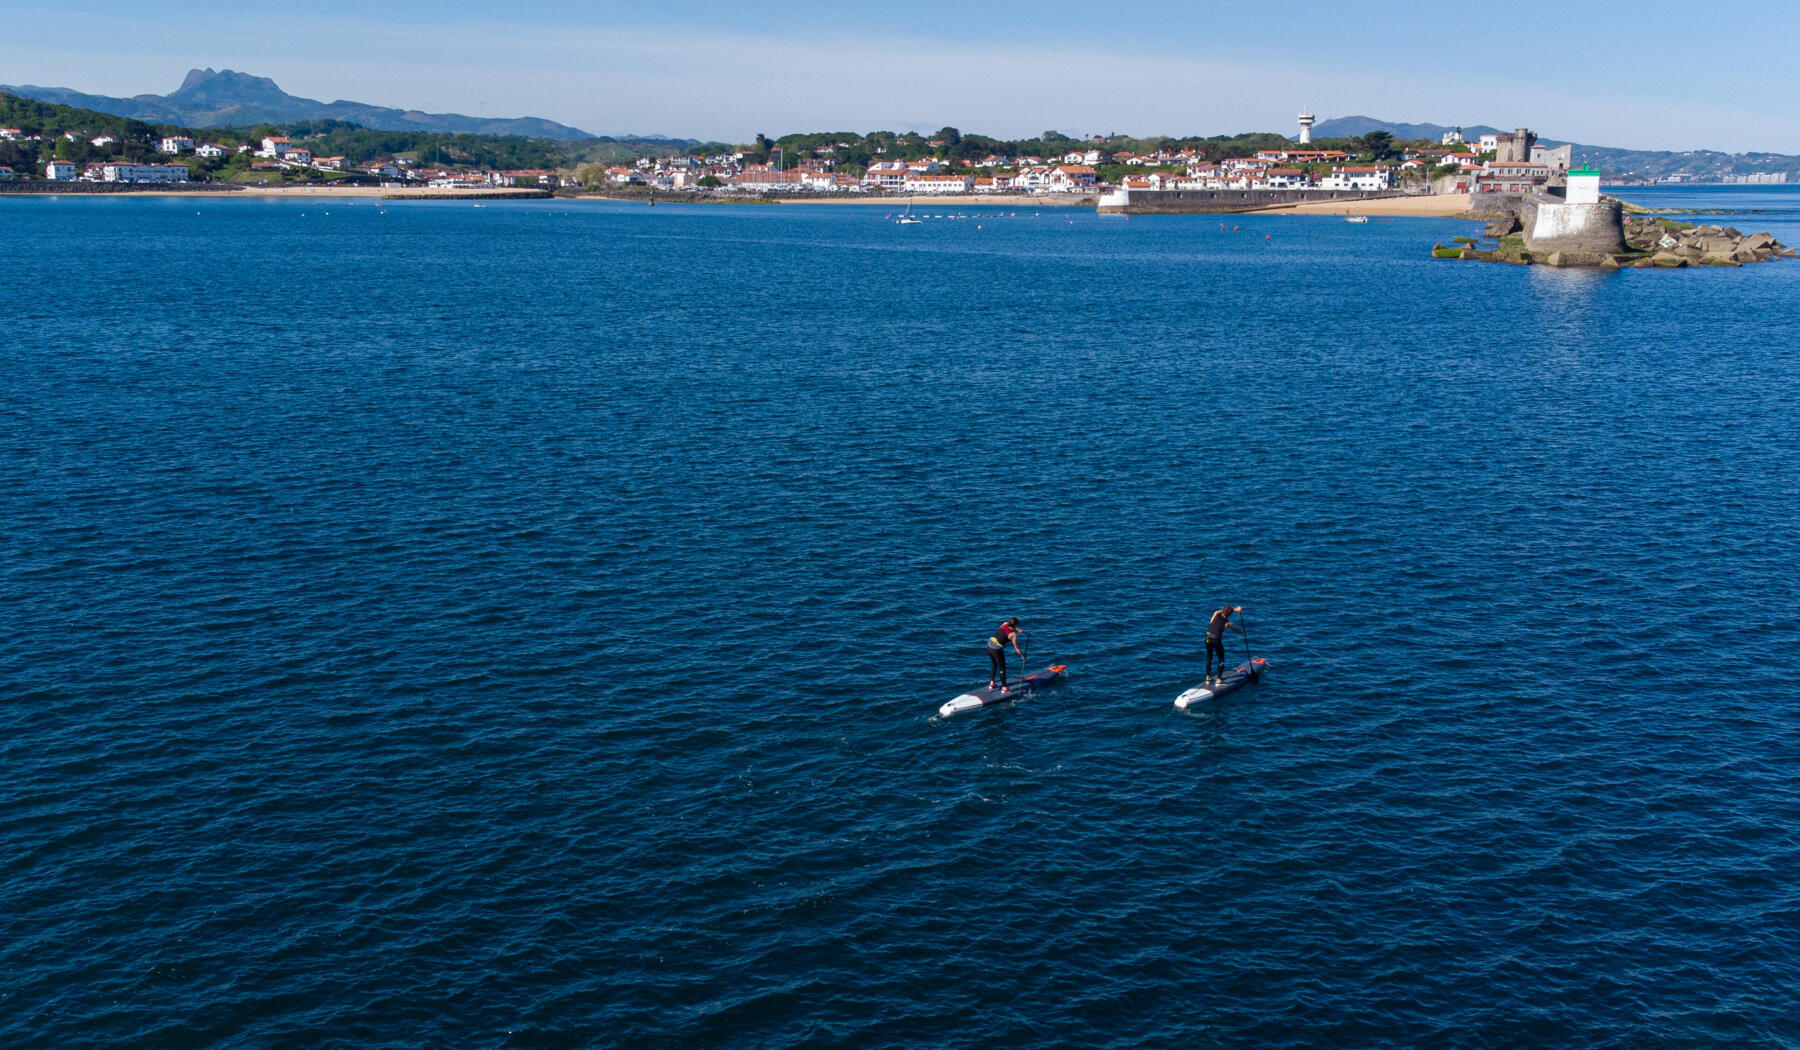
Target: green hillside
[{"x": 139, "y": 141}]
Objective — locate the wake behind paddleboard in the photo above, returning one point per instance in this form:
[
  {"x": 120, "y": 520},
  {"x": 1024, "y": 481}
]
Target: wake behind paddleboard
[
  {"x": 975, "y": 698},
  {"x": 1227, "y": 683}
]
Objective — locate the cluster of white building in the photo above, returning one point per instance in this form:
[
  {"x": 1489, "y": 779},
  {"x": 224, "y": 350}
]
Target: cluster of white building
[
  {"x": 930, "y": 176},
  {"x": 111, "y": 171},
  {"x": 1265, "y": 173},
  {"x": 284, "y": 154},
  {"x": 817, "y": 175},
  {"x": 114, "y": 171}
]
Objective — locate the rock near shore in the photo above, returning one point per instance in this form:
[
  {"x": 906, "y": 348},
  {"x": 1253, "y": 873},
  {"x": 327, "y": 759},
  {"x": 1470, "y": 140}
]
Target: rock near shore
[{"x": 1670, "y": 243}]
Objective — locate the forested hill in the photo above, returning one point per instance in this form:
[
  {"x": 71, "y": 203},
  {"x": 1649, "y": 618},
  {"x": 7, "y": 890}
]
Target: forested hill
[
  {"x": 225, "y": 98},
  {"x": 46, "y": 127}
]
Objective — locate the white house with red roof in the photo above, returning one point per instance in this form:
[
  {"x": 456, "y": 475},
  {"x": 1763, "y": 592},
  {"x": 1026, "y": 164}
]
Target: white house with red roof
[
  {"x": 829, "y": 182},
  {"x": 763, "y": 180},
  {"x": 886, "y": 175},
  {"x": 938, "y": 184},
  {"x": 1072, "y": 177},
  {"x": 61, "y": 170},
  {"x": 1358, "y": 178},
  {"x": 275, "y": 146},
  {"x": 1282, "y": 179}
]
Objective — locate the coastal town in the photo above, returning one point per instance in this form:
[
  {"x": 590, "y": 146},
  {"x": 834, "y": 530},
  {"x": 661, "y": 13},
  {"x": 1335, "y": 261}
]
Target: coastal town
[
  {"x": 1438, "y": 170},
  {"x": 1493, "y": 163},
  {"x": 877, "y": 164}
]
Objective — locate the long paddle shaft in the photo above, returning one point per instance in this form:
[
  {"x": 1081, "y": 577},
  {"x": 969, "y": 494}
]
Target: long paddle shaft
[{"x": 1249, "y": 661}]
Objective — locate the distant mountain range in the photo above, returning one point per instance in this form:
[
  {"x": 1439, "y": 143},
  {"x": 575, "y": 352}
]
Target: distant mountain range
[
  {"x": 224, "y": 98},
  {"x": 1351, "y": 127},
  {"x": 1652, "y": 164}
]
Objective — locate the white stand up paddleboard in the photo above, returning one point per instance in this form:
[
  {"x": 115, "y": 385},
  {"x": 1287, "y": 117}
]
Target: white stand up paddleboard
[
  {"x": 1227, "y": 683},
  {"x": 975, "y": 698}
]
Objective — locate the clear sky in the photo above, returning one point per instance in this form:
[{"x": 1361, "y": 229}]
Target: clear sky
[{"x": 1656, "y": 74}]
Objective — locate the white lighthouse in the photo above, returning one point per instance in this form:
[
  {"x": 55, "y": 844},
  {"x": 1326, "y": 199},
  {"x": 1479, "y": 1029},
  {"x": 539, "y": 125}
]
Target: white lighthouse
[{"x": 1306, "y": 123}]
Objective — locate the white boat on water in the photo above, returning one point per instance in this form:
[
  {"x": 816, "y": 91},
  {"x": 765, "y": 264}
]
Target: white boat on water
[
  {"x": 907, "y": 218},
  {"x": 1356, "y": 218}
]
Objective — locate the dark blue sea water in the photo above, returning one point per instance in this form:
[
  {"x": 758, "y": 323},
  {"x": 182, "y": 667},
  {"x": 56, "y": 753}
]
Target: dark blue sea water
[{"x": 522, "y": 626}]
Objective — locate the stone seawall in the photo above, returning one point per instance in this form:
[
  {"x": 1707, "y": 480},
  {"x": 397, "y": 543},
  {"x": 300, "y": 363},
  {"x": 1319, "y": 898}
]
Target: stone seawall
[
  {"x": 1554, "y": 226},
  {"x": 1179, "y": 202},
  {"x": 1496, "y": 206}
]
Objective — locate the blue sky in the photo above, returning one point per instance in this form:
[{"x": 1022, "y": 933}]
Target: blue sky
[{"x": 1651, "y": 75}]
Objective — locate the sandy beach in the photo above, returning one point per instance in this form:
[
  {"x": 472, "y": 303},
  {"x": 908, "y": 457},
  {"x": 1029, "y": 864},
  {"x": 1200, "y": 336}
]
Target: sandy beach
[{"x": 1435, "y": 206}]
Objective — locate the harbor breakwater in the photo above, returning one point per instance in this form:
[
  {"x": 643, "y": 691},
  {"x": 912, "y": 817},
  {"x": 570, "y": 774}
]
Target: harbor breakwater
[
  {"x": 1178, "y": 202},
  {"x": 1539, "y": 231}
]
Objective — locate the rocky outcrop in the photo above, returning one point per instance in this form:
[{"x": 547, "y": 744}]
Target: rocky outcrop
[
  {"x": 1671, "y": 243},
  {"x": 1647, "y": 243},
  {"x": 1502, "y": 226}
]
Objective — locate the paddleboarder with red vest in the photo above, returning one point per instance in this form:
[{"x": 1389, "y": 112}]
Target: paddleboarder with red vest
[{"x": 1008, "y": 633}]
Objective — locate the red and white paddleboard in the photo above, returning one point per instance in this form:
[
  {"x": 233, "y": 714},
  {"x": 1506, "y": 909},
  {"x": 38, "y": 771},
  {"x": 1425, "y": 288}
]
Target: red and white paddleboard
[
  {"x": 975, "y": 698},
  {"x": 1227, "y": 683}
]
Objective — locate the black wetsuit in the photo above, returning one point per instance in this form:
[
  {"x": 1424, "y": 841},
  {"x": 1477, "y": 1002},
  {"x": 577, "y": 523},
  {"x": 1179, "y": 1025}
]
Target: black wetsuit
[
  {"x": 996, "y": 647},
  {"x": 1215, "y": 641}
]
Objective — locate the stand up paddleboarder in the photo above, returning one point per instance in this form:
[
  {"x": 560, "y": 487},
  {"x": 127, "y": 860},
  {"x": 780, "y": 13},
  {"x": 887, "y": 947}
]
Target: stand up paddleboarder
[
  {"x": 1008, "y": 633},
  {"x": 1215, "y": 638}
]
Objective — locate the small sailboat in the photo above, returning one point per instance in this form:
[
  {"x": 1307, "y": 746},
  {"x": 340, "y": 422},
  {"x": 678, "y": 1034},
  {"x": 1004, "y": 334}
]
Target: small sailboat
[
  {"x": 907, "y": 218},
  {"x": 1356, "y": 218}
]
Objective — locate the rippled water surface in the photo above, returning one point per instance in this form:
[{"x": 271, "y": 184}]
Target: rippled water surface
[{"x": 522, "y": 626}]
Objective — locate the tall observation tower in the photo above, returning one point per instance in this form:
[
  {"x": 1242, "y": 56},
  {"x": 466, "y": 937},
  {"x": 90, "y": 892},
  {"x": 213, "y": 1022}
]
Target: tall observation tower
[{"x": 1306, "y": 123}]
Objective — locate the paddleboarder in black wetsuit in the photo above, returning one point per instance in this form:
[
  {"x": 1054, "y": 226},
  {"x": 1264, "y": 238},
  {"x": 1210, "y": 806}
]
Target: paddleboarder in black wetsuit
[
  {"x": 1215, "y": 638},
  {"x": 996, "y": 646}
]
